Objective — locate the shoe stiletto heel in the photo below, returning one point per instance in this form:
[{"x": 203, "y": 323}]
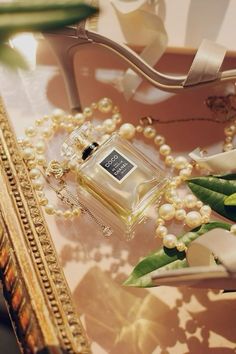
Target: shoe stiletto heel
[{"x": 205, "y": 68}]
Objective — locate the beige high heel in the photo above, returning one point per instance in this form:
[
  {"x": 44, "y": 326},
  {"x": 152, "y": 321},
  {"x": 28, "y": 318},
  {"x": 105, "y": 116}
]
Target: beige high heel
[{"x": 205, "y": 68}]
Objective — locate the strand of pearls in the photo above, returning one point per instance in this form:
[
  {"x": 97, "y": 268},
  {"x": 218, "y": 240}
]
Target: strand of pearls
[
  {"x": 188, "y": 210},
  {"x": 229, "y": 132},
  {"x": 34, "y": 145}
]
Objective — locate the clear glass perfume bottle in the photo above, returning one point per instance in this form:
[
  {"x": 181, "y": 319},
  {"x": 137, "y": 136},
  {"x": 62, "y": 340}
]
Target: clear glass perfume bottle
[{"x": 116, "y": 174}]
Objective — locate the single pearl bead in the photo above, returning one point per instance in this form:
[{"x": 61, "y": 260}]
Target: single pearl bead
[
  {"x": 87, "y": 112},
  {"x": 180, "y": 162},
  {"x": 185, "y": 173},
  {"x": 170, "y": 194},
  {"x": 40, "y": 147},
  {"x": 178, "y": 203},
  {"x": 167, "y": 211},
  {"x": 117, "y": 118},
  {"x": 127, "y": 131},
  {"x": 199, "y": 204},
  {"x": 193, "y": 219},
  {"x": 59, "y": 213},
  {"x": 28, "y": 154},
  {"x": 47, "y": 132},
  {"x": 31, "y": 164},
  {"x": 76, "y": 212},
  {"x": 169, "y": 241},
  {"x": 38, "y": 184},
  {"x": 26, "y": 141},
  {"x": 67, "y": 214},
  {"x": 46, "y": 117},
  {"x": 70, "y": 127},
  {"x": 30, "y": 131},
  {"x": 109, "y": 125},
  {"x": 229, "y": 139},
  {"x": 50, "y": 209},
  {"x": 205, "y": 219},
  {"x": 181, "y": 246},
  {"x": 105, "y": 105},
  {"x": 233, "y": 229},
  {"x": 161, "y": 231},
  {"x": 149, "y": 132},
  {"x": 160, "y": 221},
  {"x": 165, "y": 150},
  {"x": 38, "y": 122},
  {"x": 205, "y": 210},
  {"x": 229, "y": 131},
  {"x": 228, "y": 147},
  {"x": 190, "y": 201},
  {"x": 41, "y": 160},
  {"x": 94, "y": 105},
  {"x": 159, "y": 140},
  {"x": 34, "y": 173},
  {"x": 169, "y": 161},
  {"x": 139, "y": 129},
  {"x": 57, "y": 115},
  {"x": 180, "y": 214},
  {"x": 79, "y": 118}
]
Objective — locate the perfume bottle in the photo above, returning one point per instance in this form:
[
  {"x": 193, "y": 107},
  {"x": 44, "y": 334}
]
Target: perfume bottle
[{"x": 116, "y": 174}]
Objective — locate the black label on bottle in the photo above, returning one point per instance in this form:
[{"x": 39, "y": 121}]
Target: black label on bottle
[{"x": 117, "y": 165}]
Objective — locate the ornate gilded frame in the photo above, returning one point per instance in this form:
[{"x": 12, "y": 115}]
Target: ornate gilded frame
[{"x": 35, "y": 288}]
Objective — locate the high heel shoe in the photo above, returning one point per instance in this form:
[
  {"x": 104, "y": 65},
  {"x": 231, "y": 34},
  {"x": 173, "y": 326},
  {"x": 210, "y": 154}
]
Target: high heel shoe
[
  {"x": 203, "y": 71},
  {"x": 203, "y": 272}
]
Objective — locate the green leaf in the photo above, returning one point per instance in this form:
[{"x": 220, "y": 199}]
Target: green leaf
[
  {"x": 213, "y": 190},
  {"x": 11, "y": 57},
  {"x": 163, "y": 257},
  {"x": 22, "y": 16},
  {"x": 231, "y": 200}
]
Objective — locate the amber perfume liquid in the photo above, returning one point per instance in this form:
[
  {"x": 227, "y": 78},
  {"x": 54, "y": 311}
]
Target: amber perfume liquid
[{"x": 122, "y": 179}]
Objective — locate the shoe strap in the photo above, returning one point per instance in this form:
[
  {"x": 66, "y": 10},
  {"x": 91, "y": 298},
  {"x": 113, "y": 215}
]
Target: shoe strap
[
  {"x": 217, "y": 242},
  {"x": 206, "y": 64}
]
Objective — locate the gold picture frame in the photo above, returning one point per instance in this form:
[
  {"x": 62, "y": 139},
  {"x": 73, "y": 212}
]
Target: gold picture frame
[{"x": 37, "y": 294}]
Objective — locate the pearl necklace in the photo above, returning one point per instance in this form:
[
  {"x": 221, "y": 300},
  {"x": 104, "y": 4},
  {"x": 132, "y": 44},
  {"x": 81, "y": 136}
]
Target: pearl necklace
[{"x": 188, "y": 210}]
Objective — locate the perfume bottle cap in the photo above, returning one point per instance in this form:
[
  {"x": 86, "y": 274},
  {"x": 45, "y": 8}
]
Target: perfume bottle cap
[{"x": 81, "y": 142}]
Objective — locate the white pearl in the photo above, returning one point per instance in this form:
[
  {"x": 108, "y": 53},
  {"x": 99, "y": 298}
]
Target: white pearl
[
  {"x": 105, "y": 105},
  {"x": 185, "y": 173},
  {"x": 30, "y": 131},
  {"x": 127, "y": 131},
  {"x": 170, "y": 194},
  {"x": 79, "y": 118},
  {"x": 160, "y": 221},
  {"x": 205, "y": 219},
  {"x": 190, "y": 201},
  {"x": 169, "y": 241},
  {"x": 40, "y": 147},
  {"x": 47, "y": 132},
  {"x": 169, "y": 161},
  {"x": 117, "y": 118},
  {"x": 233, "y": 229},
  {"x": 167, "y": 211},
  {"x": 67, "y": 214},
  {"x": 37, "y": 184},
  {"x": 34, "y": 173},
  {"x": 161, "y": 231},
  {"x": 28, "y": 154},
  {"x": 41, "y": 160},
  {"x": 57, "y": 115},
  {"x": 178, "y": 203},
  {"x": 87, "y": 112},
  {"x": 76, "y": 212},
  {"x": 59, "y": 212},
  {"x": 149, "y": 132},
  {"x": 50, "y": 209},
  {"x": 31, "y": 164},
  {"x": 165, "y": 150},
  {"x": 180, "y": 214},
  {"x": 109, "y": 125},
  {"x": 180, "y": 162},
  {"x": 205, "y": 210},
  {"x": 193, "y": 219},
  {"x": 159, "y": 140},
  {"x": 180, "y": 246},
  {"x": 199, "y": 204},
  {"x": 139, "y": 129}
]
